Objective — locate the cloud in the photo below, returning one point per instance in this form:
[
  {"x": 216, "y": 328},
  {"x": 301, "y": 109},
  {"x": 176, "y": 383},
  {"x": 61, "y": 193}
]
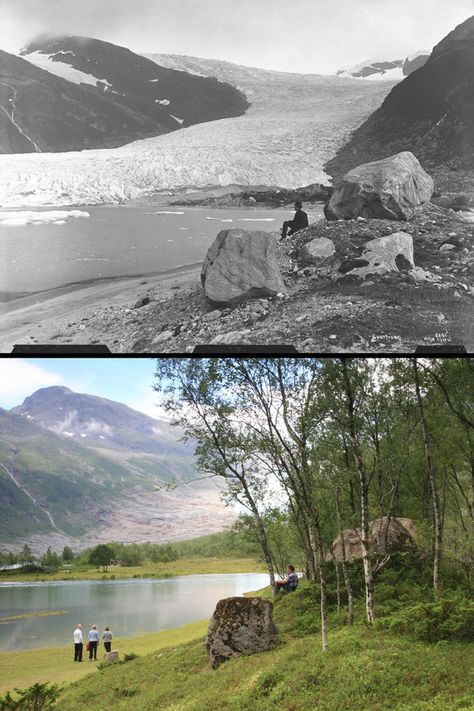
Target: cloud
[{"x": 19, "y": 378}]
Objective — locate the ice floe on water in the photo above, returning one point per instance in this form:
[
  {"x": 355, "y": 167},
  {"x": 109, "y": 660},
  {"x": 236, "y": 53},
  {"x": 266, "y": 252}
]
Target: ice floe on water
[
  {"x": 165, "y": 212},
  {"x": 256, "y": 219},
  {"x": 22, "y": 218},
  {"x": 220, "y": 219}
]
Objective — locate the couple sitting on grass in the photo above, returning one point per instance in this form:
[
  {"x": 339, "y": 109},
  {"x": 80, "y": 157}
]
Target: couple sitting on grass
[
  {"x": 289, "y": 584},
  {"x": 93, "y": 642}
]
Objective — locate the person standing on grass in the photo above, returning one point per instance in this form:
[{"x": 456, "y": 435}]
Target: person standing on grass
[
  {"x": 107, "y": 639},
  {"x": 78, "y": 643},
  {"x": 93, "y": 642}
]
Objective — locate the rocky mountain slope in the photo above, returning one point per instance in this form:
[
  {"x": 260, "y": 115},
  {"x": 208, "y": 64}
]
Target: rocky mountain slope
[
  {"x": 170, "y": 98},
  {"x": 295, "y": 123},
  {"x": 431, "y": 113},
  {"x": 375, "y": 70},
  {"x": 75, "y": 469},
  {"x": 76, "y": 93},
  {"x": 43, "y": 112}
]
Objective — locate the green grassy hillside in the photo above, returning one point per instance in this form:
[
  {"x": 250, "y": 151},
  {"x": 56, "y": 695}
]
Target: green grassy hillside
[{"x": 364, "y": 670}]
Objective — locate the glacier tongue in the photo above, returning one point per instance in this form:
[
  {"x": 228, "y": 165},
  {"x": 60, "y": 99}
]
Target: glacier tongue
[{"x": 295, "y": 124}]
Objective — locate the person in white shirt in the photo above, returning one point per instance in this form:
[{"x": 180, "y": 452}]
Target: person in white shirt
[{"x": 78, "y": 643}]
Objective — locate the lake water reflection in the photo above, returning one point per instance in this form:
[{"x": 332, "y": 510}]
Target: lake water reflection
[{"x": 128, "y": 606}]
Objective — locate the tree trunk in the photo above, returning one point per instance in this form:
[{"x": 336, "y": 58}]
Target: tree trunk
[
  {"x": 437, "y": 518},
  {"x": 338, "y": 585},
  {"x": 345, "y": 569},
  {"x": 322, "y": 586},
  {"x": 262, "y": 534},
  {"x": 364, "y": 498}
]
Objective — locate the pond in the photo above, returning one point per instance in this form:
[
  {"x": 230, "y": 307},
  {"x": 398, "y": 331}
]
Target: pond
[
  {"x": 129, "y": 607},
  {"x": 43, "y": 249}
]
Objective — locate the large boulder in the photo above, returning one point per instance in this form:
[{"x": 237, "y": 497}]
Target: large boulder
[
  {"x": 391, "y": 189},
  {"x": 393, "y": 253},
  {"x": 400, "y": 532},
  {"x": 240, "y": 626},
  {"x": 241, "y": 265}
]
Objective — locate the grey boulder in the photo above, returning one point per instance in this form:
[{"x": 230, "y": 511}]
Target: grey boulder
[
  {"x": 393, "y": 253},
  {"x": 316, "y": 252},
  {"x": 392, "y": 188},
  {"x": 240, "y": 626},
  {"x": 111, "y": 657},
  {"x": 241, "y": 265}
]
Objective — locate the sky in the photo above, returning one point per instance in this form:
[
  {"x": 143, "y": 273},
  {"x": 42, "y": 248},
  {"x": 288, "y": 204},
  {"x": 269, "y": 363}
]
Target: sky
[
  {"x": 126, "y": 380},
  {"x": 311, "y": 36}
]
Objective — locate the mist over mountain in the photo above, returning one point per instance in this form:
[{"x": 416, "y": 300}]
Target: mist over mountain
[{"x": 78, "y": 469}]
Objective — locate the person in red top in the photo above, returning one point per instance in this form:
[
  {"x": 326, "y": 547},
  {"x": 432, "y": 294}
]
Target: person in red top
[{"x": 299, "y": 222}]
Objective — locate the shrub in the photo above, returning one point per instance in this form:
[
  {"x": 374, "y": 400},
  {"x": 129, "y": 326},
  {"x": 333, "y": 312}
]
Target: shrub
[
  {"x": 449, "y": 618},
  {"x": 129, "y": 657},
  {"x": 39, "y": 697}
]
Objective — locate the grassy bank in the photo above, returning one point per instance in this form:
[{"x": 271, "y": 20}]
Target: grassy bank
[
  {"x": 55, "y": 664},
  {"x": 364, "y": 670},
  {"x": 183, "y": 566}
]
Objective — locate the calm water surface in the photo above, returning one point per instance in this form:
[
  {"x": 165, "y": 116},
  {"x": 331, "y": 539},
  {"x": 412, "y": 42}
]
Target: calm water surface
[
  {"x": 120, "y": 241},
  {"x": 128, "y": 606}
]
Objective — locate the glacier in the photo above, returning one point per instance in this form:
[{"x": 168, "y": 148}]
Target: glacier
[{"x": 296, "y": 122}]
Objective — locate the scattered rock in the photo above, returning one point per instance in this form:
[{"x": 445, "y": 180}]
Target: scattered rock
[
  {"x": 315, "y": 252},
  {"x": 163, "y": 336},
  {"x": 231, "y": 338},
  {"x": 240, "y": 626},
  {"x": 418, "y": 275},
  {"x": 241, "y": 265},
  {"x": 213, "y": 315},
  {"x": 144, "y": 301},
  {"x": 392, "y": 189}
]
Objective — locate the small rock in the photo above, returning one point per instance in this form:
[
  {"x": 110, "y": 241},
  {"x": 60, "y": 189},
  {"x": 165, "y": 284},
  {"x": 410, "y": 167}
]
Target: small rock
[
  {"x": 144, "y": 301},
  {"x": 111, "y": 657},
  {"x": 82, "y": 327},
  {"x": 447, "y": 247},
  {"x": 332, "y": 337},
  {"x": 457, "y": 295},
  {"x": 213, "y": 315},
  {"x": 163, "y": 336}
]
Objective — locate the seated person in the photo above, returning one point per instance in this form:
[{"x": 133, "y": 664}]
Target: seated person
[
  {"x": 299, "y": 222},
  {"x": 290, "y": 583}
]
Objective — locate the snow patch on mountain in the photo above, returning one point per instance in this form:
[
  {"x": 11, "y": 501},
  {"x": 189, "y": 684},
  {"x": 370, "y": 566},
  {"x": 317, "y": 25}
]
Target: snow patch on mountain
[{"x": 62, "y": 69}]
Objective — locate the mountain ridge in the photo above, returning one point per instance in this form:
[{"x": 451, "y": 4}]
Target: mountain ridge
[
  {"x": 59, "y": 489},
  {"x": 430, "y": 113}
]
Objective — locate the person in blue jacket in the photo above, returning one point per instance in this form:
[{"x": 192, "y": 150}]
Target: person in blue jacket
[
  {"x": 290, "y": 583},
  {"x": 93, "y": 642}
]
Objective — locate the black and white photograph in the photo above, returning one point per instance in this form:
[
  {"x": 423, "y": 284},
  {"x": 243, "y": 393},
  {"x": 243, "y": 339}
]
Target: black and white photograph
[{"x": 190, "y": 174}]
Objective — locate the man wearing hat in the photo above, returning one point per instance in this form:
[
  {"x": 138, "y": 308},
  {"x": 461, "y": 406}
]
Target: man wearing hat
[{"x": 299, "y": 221}]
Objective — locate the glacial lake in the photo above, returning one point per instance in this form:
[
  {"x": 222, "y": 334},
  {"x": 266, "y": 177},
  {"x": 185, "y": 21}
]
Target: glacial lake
[
  {"x": 129, "y": 607},
  {"x": 123, "y": 240}
]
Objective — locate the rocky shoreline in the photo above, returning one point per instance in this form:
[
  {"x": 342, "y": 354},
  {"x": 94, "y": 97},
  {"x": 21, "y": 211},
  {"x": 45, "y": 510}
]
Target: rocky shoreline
[{"x": 394, "y": 312}]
